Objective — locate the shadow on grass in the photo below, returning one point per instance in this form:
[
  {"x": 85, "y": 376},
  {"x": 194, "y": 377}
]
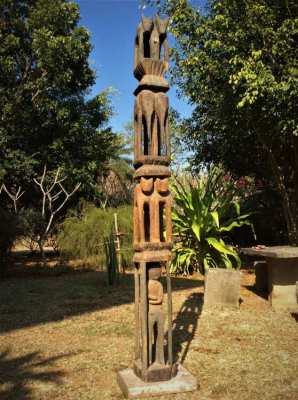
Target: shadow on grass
[
  {"x": 185, "y": 325},
  {"x": 49, "y": 294},
  {"x": 17, "y": 373}
]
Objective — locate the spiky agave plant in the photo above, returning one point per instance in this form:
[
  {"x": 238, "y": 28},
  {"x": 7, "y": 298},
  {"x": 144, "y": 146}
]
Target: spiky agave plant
[{"x": 206, "y": 210}]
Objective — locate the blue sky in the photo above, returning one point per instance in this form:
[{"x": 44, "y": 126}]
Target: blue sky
[{"x": 112, "y": 25}]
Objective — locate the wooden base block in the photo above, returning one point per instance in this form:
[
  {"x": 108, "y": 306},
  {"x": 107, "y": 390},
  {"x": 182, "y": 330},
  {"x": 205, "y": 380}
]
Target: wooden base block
[
  {"x": 156, "y": 372},
  {"x": 133, "y": 387}
]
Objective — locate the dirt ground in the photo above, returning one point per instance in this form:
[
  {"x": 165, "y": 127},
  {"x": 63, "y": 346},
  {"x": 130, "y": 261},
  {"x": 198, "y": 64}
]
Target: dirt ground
[{"x": 64, "y": 335}]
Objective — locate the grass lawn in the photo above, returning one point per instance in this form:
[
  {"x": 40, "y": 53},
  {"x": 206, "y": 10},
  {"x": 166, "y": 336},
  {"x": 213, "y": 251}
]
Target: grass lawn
[{"x": 64, "y": 335}]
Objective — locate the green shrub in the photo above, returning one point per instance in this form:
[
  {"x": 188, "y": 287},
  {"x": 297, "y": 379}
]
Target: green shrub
[
  {"x": 84, "y": 236},
  {"x": 206, "y": 210},
  {"x": 9, "y": 231}
]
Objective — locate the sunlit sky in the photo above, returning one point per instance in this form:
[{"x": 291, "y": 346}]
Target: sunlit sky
[{"x": 112, "y": 25}]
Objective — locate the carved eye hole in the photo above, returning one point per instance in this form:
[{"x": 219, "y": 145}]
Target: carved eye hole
[
  {"x": 146, "y": 39},
  {"x": 162, "y": 222},
  {"x": 145, "y": 137},
  {"x": 146, "y": 222}
]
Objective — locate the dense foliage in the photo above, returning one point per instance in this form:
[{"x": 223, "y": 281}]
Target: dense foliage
[
  {"x": 237, "y": 63},
  {"x": 44, "y": 79},
  {"x": 206, "y": 210}
]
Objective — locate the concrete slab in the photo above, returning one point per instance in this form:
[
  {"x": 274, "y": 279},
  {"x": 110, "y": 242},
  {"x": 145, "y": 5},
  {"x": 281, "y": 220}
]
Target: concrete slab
[
  {"x": 133, "y": 387},
  {"x": 222, "y": 288},
  {"x": 282, "y": 272},
  {"x": 272, "y": 251}
]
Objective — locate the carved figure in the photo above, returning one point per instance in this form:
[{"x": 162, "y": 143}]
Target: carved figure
[
  {"x": 152, "y": 212},
  {"x": 154, "y": 44},
  {"x": 155, "y": 317},
  {"x": 151, "y": 37},
  {"x": 160, "y": 136},
  {"x": 151, "y": 124},
  {"x": 158, "y": 39},
  {"x": 142, "y": 48},
  {"x": 144, "y": 109}
]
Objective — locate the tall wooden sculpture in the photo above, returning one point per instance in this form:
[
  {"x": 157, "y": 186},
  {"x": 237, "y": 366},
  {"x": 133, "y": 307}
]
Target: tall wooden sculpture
[
  {"x": 154, "y": 371},
  {"x": 152, "y": 204}
]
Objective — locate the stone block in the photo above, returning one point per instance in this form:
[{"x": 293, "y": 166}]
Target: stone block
[
  {"x": 283, "y": 275},
  {"x": 222, "y": 288},
  {"x": 134, "y": 387}
]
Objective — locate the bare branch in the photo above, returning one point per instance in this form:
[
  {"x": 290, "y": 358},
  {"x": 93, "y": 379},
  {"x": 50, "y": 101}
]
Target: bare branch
[
  {"x": 56, "y": 196},
  {"x": 42, "y": 177},
  {"x": 49, "y": 197},
  {"x": 40, "y": 184},
  {"x": 15, "y": 197},
  {"x": 56, "y": 180},
  {"x": 67, "y": 197}
]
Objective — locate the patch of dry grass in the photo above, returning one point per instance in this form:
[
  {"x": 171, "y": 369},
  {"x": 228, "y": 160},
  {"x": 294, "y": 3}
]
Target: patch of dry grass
[{"x": 64, "y": 337}]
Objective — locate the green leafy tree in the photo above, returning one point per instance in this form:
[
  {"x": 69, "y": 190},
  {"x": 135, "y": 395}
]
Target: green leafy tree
[
  {"x": 46, "y": 118},
  {"x": 179, "y": 153},
  {"x": 237, "y": 63}
]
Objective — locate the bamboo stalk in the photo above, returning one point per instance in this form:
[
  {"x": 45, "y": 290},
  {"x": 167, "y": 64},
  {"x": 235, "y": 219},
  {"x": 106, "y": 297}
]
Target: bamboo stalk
[{"x": 118, "y": 244}]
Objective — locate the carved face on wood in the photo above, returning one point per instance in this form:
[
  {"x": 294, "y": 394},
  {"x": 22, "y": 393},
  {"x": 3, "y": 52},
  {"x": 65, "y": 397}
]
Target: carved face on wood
[
  {"x": 146, "y": 185},
  {"x": 147, "y": 24},
  {"x": 162, "y": 186},
  {"x": 161, "y": 24},
  {"x": 154, "y": 272}
]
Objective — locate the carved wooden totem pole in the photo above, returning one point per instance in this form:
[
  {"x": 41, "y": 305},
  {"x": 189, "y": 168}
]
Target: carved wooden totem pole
[
  {"x": 152, "y": 224},
  {"x": 152, "y": 204}
]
